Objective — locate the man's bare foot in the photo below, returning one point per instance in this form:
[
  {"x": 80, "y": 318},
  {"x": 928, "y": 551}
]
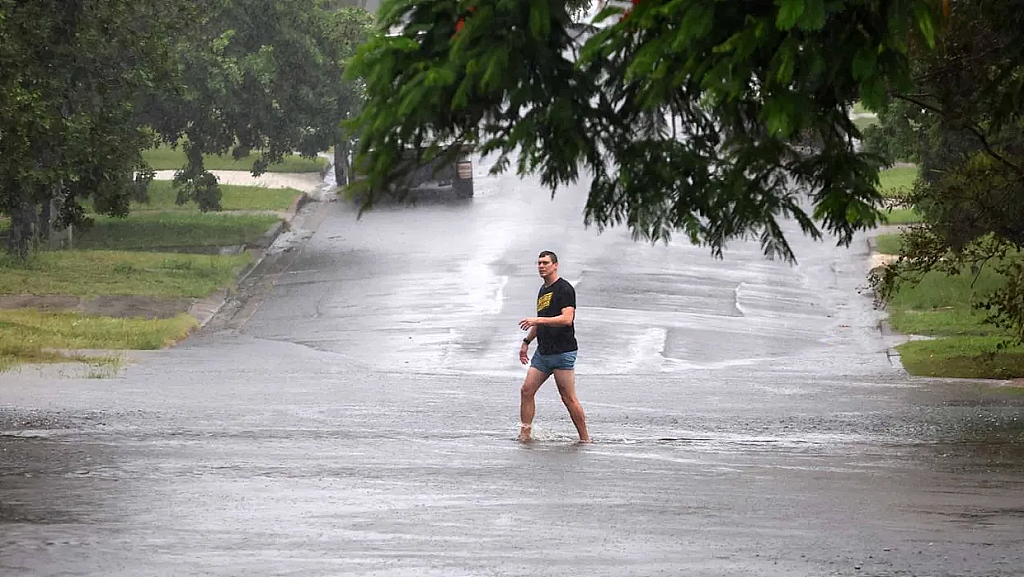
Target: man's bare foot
[{"x": 524, "y": 434}]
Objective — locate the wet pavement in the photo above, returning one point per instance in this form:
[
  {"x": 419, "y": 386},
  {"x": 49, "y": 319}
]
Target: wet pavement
[{"x": 355, "y": 413}]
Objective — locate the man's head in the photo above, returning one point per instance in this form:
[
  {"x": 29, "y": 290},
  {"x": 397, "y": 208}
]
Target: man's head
[{"x": 547, "y": 265}]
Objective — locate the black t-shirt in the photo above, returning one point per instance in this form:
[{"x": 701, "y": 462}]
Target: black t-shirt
[{"x": 550, "y": 302}]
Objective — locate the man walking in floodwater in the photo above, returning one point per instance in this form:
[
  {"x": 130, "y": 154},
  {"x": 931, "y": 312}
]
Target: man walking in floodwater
[{"x": 556, "y": 347}]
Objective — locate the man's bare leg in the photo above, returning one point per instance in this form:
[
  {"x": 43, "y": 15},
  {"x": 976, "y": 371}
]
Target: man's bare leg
[
  {"x": 527, "y": 406},
  {"x": 566, "y": 382}
]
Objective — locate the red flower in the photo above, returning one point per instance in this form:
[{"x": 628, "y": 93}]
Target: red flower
[{"x": 462, "y": 20}]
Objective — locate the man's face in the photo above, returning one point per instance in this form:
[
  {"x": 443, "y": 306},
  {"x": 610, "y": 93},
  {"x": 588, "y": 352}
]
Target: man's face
[{"x": 545, "y": 266}]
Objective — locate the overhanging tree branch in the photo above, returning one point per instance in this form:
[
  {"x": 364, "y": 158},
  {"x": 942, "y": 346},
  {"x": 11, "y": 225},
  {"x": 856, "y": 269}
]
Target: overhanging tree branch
[{"x": 970, "y": 127}]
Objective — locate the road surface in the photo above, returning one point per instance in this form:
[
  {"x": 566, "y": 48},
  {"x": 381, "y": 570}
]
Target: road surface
[{"x": 355, "y": 413}]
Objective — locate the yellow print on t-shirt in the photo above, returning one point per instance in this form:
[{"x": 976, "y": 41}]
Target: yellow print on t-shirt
[{"x": 544, "y": 301}]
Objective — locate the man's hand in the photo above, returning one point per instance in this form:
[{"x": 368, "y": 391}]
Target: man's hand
[
  {"x": 528, "y": 323},
  {"x": 524, "y": 356}
]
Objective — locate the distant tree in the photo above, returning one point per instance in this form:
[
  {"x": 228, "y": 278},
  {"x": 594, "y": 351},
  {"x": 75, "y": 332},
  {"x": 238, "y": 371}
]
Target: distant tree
[
  {"x": 341, "y": 97},
  {"x": 71, "y": 73},
  {"x": 255, "y": 75},
  {"x": 898, "y": 134},
  {"x": 85, "y": 85}
]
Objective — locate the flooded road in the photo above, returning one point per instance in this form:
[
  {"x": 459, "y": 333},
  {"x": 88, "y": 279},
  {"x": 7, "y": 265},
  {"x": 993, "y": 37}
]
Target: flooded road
[{"x": 357, "y": 416}]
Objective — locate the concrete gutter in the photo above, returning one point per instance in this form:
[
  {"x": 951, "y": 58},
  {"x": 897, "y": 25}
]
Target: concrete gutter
[
  {"x": 880, "y": 260},
  {"x": 203, "y": 310}
]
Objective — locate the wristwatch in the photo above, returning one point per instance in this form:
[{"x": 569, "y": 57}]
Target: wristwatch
[{"x": 526, "y": 341}]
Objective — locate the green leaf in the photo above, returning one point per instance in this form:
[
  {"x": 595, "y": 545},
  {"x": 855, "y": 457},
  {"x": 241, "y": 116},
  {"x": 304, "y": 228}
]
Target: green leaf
[
  {"x": 697, "y": 22},
  {"x": 789, "y": 13},
  {"x": 540, "y": 18},
  {"x": 784, "y": 74},
  {"x": 925, "y": 23},
  {"x": 872, "y": 93},
  {"x": 780, "y": 113},
  {"x": 864, "y": 62},
  {"x": 813, "y": 17}
]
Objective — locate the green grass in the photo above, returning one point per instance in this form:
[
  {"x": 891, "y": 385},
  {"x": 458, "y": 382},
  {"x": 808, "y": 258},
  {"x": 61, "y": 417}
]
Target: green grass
[
  {"x": 166, "y": 158},
  {"x": 951, "y": 321},
  {"x": 962, "y": 357},
  {"x": 936, "y": 290},
  {"x": 162, "y": 197},
  {"x": 888, "y": 243},
  {"x": 942, "y": 306},
  {"x": 89, "y": 273},
  {"x": 31, "y": 336},
  {"x": 151, "y": 231},
  {"x": 903, "y": 216},
  {"x": 858, "y": 108},
  {"x": 896, "y": 181}
]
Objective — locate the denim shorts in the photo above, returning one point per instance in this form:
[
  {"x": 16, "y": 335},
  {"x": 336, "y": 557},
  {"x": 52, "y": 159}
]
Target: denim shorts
[{"x": 548, "y": 363}]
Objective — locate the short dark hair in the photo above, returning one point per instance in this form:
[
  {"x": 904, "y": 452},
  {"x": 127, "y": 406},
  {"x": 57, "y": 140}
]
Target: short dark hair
[{"x": 544, "y": 253}]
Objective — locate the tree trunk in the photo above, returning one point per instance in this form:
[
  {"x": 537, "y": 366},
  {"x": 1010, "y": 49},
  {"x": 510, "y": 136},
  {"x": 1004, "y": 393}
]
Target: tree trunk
[
  {"x": 46, "y": 216},
  {"x": 342, "y": 163},
  {"x": 54, "y": 235},
  {"x": 24, "y": 222}
]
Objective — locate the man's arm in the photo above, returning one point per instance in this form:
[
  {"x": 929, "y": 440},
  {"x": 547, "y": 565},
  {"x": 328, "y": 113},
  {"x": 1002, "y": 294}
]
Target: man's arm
[
  {"x": 563, "y": 320},
  {"x": 524, "y": 350}
]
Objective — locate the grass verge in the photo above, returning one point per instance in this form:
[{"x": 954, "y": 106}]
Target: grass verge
[
  {"x": 172, "y": 230},
  {"x": 888, "y": 243},
  {"x": 32, "y": 336},
  {"x": 896, "y": 181},
  {"x": 965, "y": 347},
  {"x": 903, "y": 216},
  {"x": 962, "y": 357},
  {"x": 167, "y": 158},
  {"x": 162, "y": 197},
  {"x": 942, "y": 305},
  {"x": 90, "y": 273}
]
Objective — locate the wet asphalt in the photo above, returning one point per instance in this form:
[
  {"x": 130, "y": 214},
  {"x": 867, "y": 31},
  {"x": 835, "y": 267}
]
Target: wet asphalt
[{"x": 355, "y": 413}]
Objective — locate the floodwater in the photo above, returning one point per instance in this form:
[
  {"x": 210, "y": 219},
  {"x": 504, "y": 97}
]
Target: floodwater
[{"x": 355, "y": 413}]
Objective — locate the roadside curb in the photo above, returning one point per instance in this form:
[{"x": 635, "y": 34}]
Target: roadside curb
[
  {"x": 879, "y": 260},
  {"x": 203, "y": 310},
  {"x": 891, "y": 353}
]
